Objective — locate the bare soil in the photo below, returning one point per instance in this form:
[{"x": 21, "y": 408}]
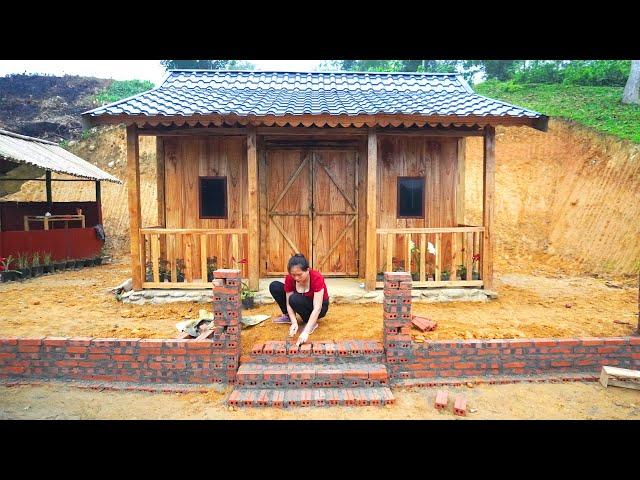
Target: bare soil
[
  {"x": 78, "y": 303},
  {"x": 58, "y": 401}
]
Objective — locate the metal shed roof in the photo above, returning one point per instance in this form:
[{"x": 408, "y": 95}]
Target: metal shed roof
[
  {"x": 258, "y": 93},
  {"x": 49, "y": 156}
]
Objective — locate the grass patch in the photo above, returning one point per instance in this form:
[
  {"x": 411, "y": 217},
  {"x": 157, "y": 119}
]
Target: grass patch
[
  {"x": 597, "y": 107},
  {"x": 120, "y": 89}
]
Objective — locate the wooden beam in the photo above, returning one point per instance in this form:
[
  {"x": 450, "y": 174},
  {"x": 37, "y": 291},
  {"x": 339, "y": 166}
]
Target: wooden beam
[
  {"x": 135, "y": 219},
  {"x": 253, "y": 189},
  {"x": 458, "y": 253},
  {"x": 99, "y": 200},
  {"x": 209, "y": 131},
  {"x": 431, "y": 132},
  {"x": 372, "y": 183},
  {"x": 620, "y": 377},
  {"x": 488, "y": 201},
  {"x": 48, "y": 186}
]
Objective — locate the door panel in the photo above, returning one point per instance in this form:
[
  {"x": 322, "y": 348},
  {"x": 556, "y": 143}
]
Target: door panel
[
  {"x": 288, "y": 207},
  {"x": 335, "y": 212}
]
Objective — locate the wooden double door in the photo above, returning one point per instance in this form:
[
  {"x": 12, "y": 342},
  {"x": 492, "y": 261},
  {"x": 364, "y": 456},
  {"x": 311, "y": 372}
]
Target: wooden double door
[{"x": 311, "y": 207}]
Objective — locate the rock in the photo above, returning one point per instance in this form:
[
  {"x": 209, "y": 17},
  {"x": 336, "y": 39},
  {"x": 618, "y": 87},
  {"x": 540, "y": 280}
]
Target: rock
[
  {"x": 111, "y": 164},
  {"x": 232, "y": 408},
  {"x": 473, "y": 410},
  {"x": 92, "y": 148},
  {"x": 370, "y": 295},
  {"x": 162, "y": 293},
  {"x": 568, "y": 305},
  {"x": 176, "y": 294},
  {"x": 470, "y": 384},
  {"x": 148, "y": 294},
  {"x": 124, "y": 286}
]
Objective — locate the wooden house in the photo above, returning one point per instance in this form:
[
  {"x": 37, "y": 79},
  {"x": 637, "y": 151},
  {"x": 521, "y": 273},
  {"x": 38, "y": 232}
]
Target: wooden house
[{"x": 358, "y": 171}]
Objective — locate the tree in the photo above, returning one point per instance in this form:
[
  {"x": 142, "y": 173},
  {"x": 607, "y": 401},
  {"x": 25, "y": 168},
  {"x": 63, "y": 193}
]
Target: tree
[
  {"x": 207, "y": 64},
  {"x": 632, "y": 88}
]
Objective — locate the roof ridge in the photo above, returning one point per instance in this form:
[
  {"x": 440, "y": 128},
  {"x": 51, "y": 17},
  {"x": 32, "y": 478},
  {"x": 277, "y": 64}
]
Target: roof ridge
[
  {"x": 25, "y": 137},
  {"x": 311, "y": 72}
]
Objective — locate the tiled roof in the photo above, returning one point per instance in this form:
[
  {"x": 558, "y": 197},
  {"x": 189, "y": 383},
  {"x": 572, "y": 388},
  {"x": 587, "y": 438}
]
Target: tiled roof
[
  {"x": 48, "y": 156},
  {"x": 257, "y": 93}
]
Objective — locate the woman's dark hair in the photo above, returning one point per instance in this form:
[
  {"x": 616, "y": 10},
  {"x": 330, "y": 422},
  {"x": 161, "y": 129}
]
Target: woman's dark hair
[{"x": 299, "y": 260}]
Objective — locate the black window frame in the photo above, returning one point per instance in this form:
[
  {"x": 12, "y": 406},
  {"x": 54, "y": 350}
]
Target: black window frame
[
  {"x": 424, "y": 186},
  {"x": 226, "y": 199}
]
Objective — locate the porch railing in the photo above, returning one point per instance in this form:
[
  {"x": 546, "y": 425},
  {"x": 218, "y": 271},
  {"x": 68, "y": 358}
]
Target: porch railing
[
  {"x": 457, "y": 261},
  {"x": 182, "y": 257}
]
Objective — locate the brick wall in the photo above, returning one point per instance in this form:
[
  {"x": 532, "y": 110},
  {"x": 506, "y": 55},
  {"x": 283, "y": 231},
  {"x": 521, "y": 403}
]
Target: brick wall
[
  {"x": 490, "y": 358},
  {"x": 210, "y": 360}
]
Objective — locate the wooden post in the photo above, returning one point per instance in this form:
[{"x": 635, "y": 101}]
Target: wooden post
[
  {"x": 489, "y": 174},
  {"x": 47, "y": 176},
  {"x": 99, "y": 200},
  {"x": 372, "y": 171},
  {"x": 135, "y": 218},
  {"x": 253, "y": 237},
  {"x": 160, "y": 186},
  {"x": 460, "y": 190}
]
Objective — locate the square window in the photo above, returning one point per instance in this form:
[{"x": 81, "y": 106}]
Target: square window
[
  {"x": 410, "y": 197},
  {"x": 213, "y": 197}
]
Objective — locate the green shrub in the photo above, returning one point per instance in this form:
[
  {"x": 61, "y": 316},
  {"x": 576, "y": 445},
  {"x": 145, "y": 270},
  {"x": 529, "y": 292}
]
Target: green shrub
[
  {"x": 120, "y": 89},
  {"x": 611, "y": 73}
]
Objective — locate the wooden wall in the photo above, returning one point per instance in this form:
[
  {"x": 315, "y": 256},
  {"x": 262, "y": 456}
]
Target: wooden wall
[
  {"x": 187, "y": 159},
  {"x": 436, "y": 159}
]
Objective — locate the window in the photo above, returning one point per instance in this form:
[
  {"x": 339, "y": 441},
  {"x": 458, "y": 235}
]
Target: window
[
  {"x": 410, "y": 197},
  {"x": 213, "y": 197}
]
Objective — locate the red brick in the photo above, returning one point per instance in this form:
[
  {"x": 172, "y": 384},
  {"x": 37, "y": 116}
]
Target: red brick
[
  {"x": 561, "y": 364},
  {"x": 268, "y": 348},
  {"x": 592, "y": 341},
  {"x": 608, "y": 349},
  {"x": 226, "y": 273},
  {"x": 55, "y": 341},
  {"x": 28, "y": 348},
  {"x": 257, "y": 349},
  {"x": 442, "y": 399},
  {"x": 515, "y": 365},
  {"x": 460, "y": 406}
]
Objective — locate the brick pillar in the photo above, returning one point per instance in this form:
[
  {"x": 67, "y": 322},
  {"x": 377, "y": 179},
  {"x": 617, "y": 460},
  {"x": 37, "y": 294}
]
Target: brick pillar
[
  {"x": 227, "y": 311},
  {"x": 397, "y": 321}
]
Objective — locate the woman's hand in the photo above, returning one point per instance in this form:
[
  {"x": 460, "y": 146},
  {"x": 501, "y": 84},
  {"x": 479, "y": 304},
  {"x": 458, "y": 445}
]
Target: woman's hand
[
  {"x": 293, "y": 328},
  {"x": 304, "y": 336}
]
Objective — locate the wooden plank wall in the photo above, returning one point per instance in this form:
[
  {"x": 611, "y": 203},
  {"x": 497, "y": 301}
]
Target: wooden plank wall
[
  {"x": 186, "y": 159},
  {"x": 436, "y": 159}
]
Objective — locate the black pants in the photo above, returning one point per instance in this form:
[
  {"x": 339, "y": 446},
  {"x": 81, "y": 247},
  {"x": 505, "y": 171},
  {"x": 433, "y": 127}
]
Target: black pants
[{"x": 300, "y": 304}]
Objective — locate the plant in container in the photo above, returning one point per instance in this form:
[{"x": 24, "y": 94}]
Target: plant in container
[
  {"x": 180, "y": 270},
  {"x": 36, "y": 268},
  {"x": 246, "y": 295},
  {"x": 461, "y": 272},
  {"x": 475, "y": 275},
  {"x": 165, "y": 270},
  {"x": 47, "y": 263},
  {"x": 445, "y": 275},
  {"x": 6, "y": 273},
  {"x": 24, "y": 266},
  {"x": 212, "y": 264},
  {"x": 148, "y": 272}
]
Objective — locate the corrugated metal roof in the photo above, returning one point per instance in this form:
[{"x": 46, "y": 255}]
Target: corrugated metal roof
[
  {"x": 203, "y": 92},
  {"x": 49, "y": 156}
]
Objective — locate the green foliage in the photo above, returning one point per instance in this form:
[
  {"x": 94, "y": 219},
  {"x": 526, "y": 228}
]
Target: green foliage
[
  {"x": 392, "y": 65},
  {"x": 207, "y": 64},
  {"x": 598, "y": 72},
  {"x": 596, "y": 107},
  {"x": 120, "y": 89},
  {"x": 246, "y": 292}
]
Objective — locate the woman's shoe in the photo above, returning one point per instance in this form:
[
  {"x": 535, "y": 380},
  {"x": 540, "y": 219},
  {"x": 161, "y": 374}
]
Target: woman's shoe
[{"x": 283, "y": 319}]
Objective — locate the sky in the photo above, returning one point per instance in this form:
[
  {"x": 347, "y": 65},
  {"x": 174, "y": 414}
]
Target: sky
[{"x": 127, "y": 69}]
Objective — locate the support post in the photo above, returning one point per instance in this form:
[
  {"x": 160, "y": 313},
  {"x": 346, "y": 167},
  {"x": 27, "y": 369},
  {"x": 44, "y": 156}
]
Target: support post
[
  {"x": 160, "y": 186},
  {"x": 253, "y": 236},
  {"x": 99, "y": 200},
  {"x": 135, "y": 219},
  {"x": 489, "y": 174},
  {"x": 371, "y": 241},
  {"x": 47, "y": 176}
]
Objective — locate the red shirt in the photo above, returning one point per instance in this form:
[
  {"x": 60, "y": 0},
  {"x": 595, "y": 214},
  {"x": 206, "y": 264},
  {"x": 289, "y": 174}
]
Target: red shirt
[{"x": 316, "y": 283}]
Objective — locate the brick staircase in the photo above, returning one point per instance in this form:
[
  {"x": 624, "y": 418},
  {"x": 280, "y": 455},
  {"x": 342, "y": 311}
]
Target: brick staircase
[{"x": 320, "y": 373}]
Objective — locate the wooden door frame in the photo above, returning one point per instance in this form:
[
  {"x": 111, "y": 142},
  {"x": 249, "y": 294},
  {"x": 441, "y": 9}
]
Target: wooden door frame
[{"x": 308, "y": 148}]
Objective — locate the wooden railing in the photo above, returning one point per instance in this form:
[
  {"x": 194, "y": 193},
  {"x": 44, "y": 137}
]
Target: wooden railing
[
  {"x": 182, "y": 257},
  {"x": 458, "y": 255}
]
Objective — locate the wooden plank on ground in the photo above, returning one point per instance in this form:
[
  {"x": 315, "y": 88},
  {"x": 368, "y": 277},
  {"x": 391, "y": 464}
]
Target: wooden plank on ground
[{"x": 620, "y": 377}]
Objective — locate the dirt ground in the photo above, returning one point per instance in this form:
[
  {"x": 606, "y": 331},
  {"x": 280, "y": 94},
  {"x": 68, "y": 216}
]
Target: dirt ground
[
  {"x": 77, "y": 303},
  {"x": 58, "y": 401}
]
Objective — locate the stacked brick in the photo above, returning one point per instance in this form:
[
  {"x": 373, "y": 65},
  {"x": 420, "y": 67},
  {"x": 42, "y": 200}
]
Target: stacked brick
[
  {"x": 227, "y": 312},
  {"x": 396, "y": 307}
]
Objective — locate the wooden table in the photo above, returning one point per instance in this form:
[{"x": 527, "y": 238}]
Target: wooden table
[{"x": 52, "y": 218}]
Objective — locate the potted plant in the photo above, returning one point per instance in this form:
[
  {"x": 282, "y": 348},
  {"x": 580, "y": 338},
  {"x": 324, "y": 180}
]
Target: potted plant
[
  {"x": 36, "y": 268},
  {"x": 379, "y": 277},
  {"x": 475, "y": 275},
  {"x": 180, "y": 270},
  {"x": 48, "y": 264},
  {"x": 148, "y": 275},
  {"x": 461, "y": 272},
  {"x": 165, "y": 270},
  {"x": 23, "y": 266},
  {"x": 6, "y": 273},
  {"x": 445, "y": 275},
  {"x": 212, "y": 264},
  {"x": 246, "y": 295}
]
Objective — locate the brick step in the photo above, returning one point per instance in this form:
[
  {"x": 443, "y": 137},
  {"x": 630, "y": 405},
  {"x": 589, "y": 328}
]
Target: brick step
[
  {"x": 306, "y": 375},
  {"x": 308, "y": 397},
  {"x": 319, "y": 351}
]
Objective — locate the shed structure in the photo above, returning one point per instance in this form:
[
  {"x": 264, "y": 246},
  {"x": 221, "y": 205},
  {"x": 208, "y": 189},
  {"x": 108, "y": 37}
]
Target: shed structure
[
  {"x": 358, "y": 171},
  {"x": 25, "y": 228}
]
